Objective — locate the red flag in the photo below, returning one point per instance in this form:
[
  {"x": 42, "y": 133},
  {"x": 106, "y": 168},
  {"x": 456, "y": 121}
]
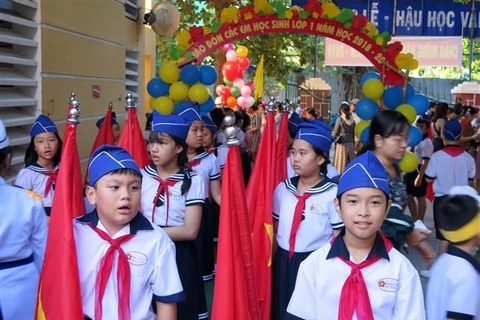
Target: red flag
[
  {"x": 259, "y": 193},
  {"x": 104, "y": 136},
  {"x": 59, "y": 294},
  {"x": 282, "y": 150},
  {"x": 235, "y": 292},
  {"x": 132, "y": 139}
]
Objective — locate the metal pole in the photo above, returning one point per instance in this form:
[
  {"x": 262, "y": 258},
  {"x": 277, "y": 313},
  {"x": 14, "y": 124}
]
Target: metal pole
[
  {"x": 472, "y": 34},
  {"x": 315, "y": 71}
]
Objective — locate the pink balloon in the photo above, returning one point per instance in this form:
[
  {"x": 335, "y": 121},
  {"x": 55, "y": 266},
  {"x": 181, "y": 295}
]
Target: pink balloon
[
  {"x": 251, "y": 85},
  {"x": 227, "y": 47},
  {"x": 219, "y": 88},
  {"x": 250, "y": 101},
  {"x": 239, "y": 83},
  {"x": 241, "y": 101},
  {"x": 232, "y": 56},
  {"x": 246, "y": 91}
]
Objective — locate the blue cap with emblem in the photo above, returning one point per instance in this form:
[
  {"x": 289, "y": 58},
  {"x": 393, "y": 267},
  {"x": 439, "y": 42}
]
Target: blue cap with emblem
[
  {"x": 109, "y": 158},
  {"x": 173, "y": 125},
  {"x": 209, "y": 124},
  {"x": 293, "y": 122},
  {"x": 100, "y": 121},
  {"x": 314, "y": 133},
  {"x": 189, "y": 112},
  {"x": 365, "y": 171},
  {"x": 41, "y": 125},
  {"x": 452, "y": 130},
  {"x": 4, "y": 141}
]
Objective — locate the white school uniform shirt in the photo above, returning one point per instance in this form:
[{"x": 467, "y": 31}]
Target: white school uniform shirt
[
  {"x": 222, "y": 152},
  {"x": 332, "y": 172},
  {"x": 424, "y": 150},
  {"x": 449, "y": 171},
  {"x": 23, "y": 234},
  {"x": 319, "y": 217},
  {"x": 153, "y": 268},
  {"x": 33, "y": 178},
  {"x": 393, "y": 284},
  {"x": 453, "y": 289},
  {"x": 208, "y": 169},
  {"x": 178, "y": 202}
]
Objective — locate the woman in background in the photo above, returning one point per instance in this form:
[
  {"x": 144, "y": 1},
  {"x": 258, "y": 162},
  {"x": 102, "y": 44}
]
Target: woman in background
[{"x": 344, "y": 133}]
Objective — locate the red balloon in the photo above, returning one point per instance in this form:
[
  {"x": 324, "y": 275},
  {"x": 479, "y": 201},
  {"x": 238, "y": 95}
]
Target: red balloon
[
  {"x": 225, "y": 93},
  {"x": 243, "y": 62},
  {"x": 231, "y": 70}
]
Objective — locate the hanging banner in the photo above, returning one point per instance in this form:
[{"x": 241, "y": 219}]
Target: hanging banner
[{"x": 429, "y": 51}]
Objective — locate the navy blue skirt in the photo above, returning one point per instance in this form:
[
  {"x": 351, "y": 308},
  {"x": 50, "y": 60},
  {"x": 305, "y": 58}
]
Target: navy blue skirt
[
  {"x": 204, "y": 243},
  {"x": 285, "y": 272}
]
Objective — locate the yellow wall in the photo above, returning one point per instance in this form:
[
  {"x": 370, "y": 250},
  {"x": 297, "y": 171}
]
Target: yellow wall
[{"x": 83, "y": 43}]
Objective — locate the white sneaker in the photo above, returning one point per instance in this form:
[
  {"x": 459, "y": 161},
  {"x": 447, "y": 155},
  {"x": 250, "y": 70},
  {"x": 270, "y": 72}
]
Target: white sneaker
[{"x": 425, "y": 273}]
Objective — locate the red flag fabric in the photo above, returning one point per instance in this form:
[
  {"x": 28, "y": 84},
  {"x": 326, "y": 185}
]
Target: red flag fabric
[
  {"x": 430, "y": 194},
  {"x": 234, "y": 295},
  {"x": 104, "y": 136},
  {"x": 282, "y": 150},
  {"x": 259, "y": 194},
  {"x": 59, "y": 294},
  {"x": 132, "y": 139}
]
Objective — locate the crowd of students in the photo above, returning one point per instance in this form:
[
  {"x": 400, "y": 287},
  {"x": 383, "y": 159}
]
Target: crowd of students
[{"x": 338, "y": 234}]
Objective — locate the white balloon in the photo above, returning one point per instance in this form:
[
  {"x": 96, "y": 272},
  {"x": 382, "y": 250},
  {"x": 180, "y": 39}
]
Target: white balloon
[
  {"x": 231, "y": 56},
  {"x": 250, "y": 101},
  {"x": 239, "y": 83}
]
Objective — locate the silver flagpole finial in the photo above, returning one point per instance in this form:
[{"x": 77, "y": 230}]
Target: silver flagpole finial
[
  {"x": 130, "y": 101},
  {"x": 231, "y": 130},
  {"x": 74, "y": 112}
]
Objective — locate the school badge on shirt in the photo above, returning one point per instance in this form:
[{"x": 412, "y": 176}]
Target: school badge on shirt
[
  {"x": 388, "y": 284},
  {"x": 136, "y": 258}
]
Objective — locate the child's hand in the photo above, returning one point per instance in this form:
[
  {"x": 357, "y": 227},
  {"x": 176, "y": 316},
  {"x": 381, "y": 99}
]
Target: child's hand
[
  {"x": 416, "y": 236},
  {"x": 418, "y": 182},
  {"x": 427, "y": 253}
]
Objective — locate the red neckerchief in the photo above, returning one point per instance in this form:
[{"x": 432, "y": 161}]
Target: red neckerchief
[
  {"x": 123, "y": 275},
  {"x": 211, "y": 151},
  {"x": 354, "y": 297},
  {"x": 193, "y": 163},
  {"x": 297, "y": 218},
  {"x": 52, "y": 178},
  {"x": 163, "y": 187},
  {"x": 453, "y": 151}
]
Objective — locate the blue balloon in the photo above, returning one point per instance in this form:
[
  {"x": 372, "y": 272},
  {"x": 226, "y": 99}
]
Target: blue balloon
[
  {"x": 410, "y": 90},
  {"x": 368, "y": 76},
  {"x": 190, "y": 74},
  {"x": 207, "y": 106},
  {"x": 181, "y": 105},
  {"x": 415, "y": 136},
  {"x": 157, "y": 88},
  {"x": 365, "y": 135},
  {"x": 419, "y": 102},
  {"x": 366, "y": 109},
  {"x": 208, "y": 75},
  {"x": 393, "y": 97}
]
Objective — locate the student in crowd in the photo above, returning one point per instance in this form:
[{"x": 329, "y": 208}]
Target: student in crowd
[
  {"x": 416, "y": 183},
  {"x": 449, "y": 167},
  {"x": 42, "y": 161},
  {"x": 115, "y": 126},
  {"x": 303, "y": 211},
  {"x": 172, "y": 198},
  {"x": 344, "y": 133},
  {"x": 310, "y": 113},
  {"x": 469, "y": 136},
  {"x": 453, "y": 290},
  {"x": 438, "y": 122},
  {"x": 116, "y": 236},
  {"x": 23, "y": 231},
  {"x": 359, "y": 275}
]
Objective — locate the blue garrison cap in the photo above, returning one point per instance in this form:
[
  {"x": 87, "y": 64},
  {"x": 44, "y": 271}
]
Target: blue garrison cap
[
  {"x": 293, "y": 122},
  {"x": 314, "y": 133},
  {"x": 41, "y": 125},
  {"x": 189, "y": 112},
  {"x": 100, "y": 121},
  {"x": 365, "y": 171},
  {"x": 209, "y": 123},
  {"x": 452, "y": 130},
  {"x": 174, "y": 125},
  {"x": 109, "y": 158}
]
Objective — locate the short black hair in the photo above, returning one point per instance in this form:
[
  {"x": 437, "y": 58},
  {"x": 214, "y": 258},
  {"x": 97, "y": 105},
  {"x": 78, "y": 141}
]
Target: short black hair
[
  {"x": 455, "y": 211},
  {"x": 4, "y": 152},
  {"x": 324, "y": 165}
]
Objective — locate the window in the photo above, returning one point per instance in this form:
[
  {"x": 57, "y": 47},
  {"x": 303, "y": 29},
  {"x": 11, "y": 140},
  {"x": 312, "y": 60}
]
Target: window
[
  {"x": 19, "y": 74},
  {"x": 131, "y": 9},
  {"x": 131, "y": 73}
]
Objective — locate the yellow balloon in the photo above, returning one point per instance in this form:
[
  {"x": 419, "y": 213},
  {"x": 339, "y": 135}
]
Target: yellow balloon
[
  {"x": 360, "y": 126},
  {"x": 179, "y": 91},
  {"x": 164, "y": 105},
  {"x": 242, "y": 51},
  {"x": 373, "y": 89},
  {"x": 409, "y": 162},
  {"x": 198, "y": 93},
  {"x": 408, "y": 111},
  {"x": 169, "y": 72}
]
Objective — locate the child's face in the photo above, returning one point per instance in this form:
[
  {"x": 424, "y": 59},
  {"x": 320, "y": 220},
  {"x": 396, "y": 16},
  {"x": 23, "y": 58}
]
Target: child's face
[
  {"x": 362, "y": 211},
  {"x": 393, "y": 147},
  {"x": 164, "y": 151},
  {"x": 116, "y": 132},
  {"x": 46, "y": 145},
  {"x": 305, "y": 162},
  {"x": 423, "y": 127},
  {"x": 207, "y": 138},
  {"x": 195, "y": 135},
  {"x": 117, "y": 198}
]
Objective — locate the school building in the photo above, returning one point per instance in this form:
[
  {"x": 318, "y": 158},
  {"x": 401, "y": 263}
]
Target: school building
[{"x": 49, "y": 48}]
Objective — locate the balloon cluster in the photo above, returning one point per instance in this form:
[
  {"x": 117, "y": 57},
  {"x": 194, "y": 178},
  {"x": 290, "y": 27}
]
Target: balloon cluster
[
  {"x": 235, "y": 92},
  {"x": 175, "y": 88},
  {"x": 402, "y": 99}
]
